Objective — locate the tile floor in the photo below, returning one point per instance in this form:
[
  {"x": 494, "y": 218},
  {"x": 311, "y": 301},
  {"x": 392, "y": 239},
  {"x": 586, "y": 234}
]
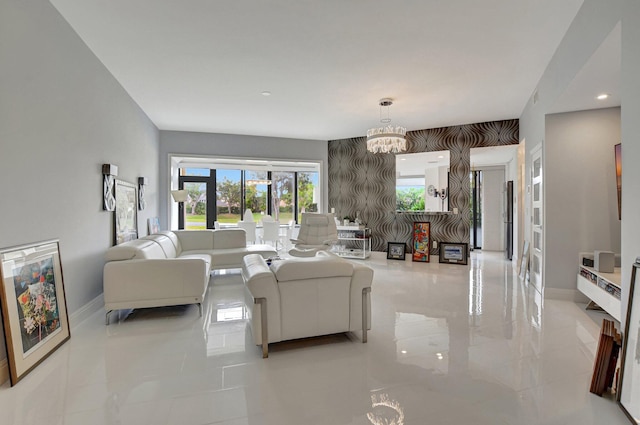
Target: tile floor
[{"x": 449, "y": 345}]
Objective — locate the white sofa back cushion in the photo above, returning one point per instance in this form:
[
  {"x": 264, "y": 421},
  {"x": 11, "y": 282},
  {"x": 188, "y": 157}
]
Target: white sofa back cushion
[
  {"x": 165, "y": 243},
  {"x": 174, "y": 240},
  {"x": 318, "y": 267},
  {"x": 229, "y": 238},
  {"x": 198, "y": 240},
  {"x": 139, "y": 249}
]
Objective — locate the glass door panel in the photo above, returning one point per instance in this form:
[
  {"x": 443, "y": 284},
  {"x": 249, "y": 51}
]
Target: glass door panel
[
  {"x": 195, "y": 209},
  {"x": 283, "y": 191},
  {"x": 308, "y": 193},
  {"x": 228, "y": 196},
  {"x": 256, "y": 193}
]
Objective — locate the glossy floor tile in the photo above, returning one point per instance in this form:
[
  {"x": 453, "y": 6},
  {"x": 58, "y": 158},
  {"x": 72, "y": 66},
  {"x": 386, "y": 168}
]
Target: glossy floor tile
[{"x": 449, "y": 344}]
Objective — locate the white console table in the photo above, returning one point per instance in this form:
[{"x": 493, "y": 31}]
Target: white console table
[
  {"x": 604, "y": 289},
  {"x": 353, "y": 242}
]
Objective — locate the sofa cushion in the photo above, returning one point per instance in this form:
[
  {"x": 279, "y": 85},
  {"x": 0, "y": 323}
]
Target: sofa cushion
[
  {"x": 228, "y": 257},
  {"x": 138, "y": 249},
  {"x": 205, "y": 257},
  {"x": 229, "y": 238},
  {"x": 165, "y": 243},
  {"x": 195, "y": 240},
  {"x": 174, "y": 239},
  {"x": 309, "y": 268}
]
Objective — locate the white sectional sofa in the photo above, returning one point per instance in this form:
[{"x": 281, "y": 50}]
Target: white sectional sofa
[
  {"x": 171, "y": 267},
  {"x": 303, "y": 297}
]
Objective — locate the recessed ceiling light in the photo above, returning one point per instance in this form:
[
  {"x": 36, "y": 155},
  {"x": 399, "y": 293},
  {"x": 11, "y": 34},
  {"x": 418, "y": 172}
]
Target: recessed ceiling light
[
  {"x": 602, "y": 96},
  {"x": 403, "y": 159},
  {"x": 404, "y": 351},
  {"x": 266, "y": 93},
  {"x": 440, "y": 156}
]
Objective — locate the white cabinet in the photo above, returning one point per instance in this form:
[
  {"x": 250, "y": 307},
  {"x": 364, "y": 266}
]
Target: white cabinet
[
  {"x": 353, "y": 242},
  {"x": 602, "y": 288}
]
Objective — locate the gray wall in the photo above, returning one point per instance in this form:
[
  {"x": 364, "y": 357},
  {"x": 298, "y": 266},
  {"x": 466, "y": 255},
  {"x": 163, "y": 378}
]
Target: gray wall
[
  {"x": 62, "y": 115},
  {"x": 593, "y": 23},
  {"x": 581, "y": 198},
  {"x": 230, "y": 145},
  {"x": 360, "y": 181}
]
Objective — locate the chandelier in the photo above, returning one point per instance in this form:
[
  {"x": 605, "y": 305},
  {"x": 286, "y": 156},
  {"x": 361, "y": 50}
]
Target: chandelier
[{"x": 388, "y": 139}]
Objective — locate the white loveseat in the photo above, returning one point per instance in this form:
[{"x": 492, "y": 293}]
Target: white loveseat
[
  {"x": 171, "y": 267},
  {"x": 303, "y": 297}
]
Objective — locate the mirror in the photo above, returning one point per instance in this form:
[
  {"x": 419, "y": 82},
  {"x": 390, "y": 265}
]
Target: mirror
[{"x": 422, "y": 181}]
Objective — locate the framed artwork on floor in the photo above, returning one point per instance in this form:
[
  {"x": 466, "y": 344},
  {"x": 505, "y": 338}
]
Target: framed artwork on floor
[
  {"x": 421, "y": 241},
  {"x": 34, "y": 307},
  {"x": 395, "y": 251},
  {"x": 153, "y": 225},
  {"x": 628, "y": 388},
  {"x": 126, "y": 213},
  {"x": 453, "y": 253}
]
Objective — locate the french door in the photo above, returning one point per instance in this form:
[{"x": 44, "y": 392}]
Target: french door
[
  {"x": 537, "y": 216},
  {"x": 200, "y": 209},
  {"x": 475, "y": 180}
]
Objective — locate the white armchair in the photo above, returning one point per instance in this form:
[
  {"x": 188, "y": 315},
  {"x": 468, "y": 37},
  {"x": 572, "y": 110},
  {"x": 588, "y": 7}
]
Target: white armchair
[{"x": 318, "y": 232}]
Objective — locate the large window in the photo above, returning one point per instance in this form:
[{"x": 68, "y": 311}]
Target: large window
[
  {"x": 228, "y": 195},
  {"x": 222, "y": 192}
]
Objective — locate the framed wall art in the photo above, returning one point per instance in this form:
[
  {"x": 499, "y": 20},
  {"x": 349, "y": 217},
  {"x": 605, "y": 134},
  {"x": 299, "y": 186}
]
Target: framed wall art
[
  {"x": 421, "y": 241},
  {"x": 126, "y": 213},
  {"x": 395, "y": 251},
  {"x": 34, "y": 307},
  {"x": 453, "y": 253},
  {"x": 153, "y": 225},
  {"x": 628, "y": 388}
]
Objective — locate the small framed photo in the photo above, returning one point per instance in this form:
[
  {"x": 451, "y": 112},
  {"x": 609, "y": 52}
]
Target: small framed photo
[
  {"x": 153, "y": 225},
  {"x": 396, "y": 250},
  {"x": 34, "y": 308},
  {"x": 453, "y": 253}
]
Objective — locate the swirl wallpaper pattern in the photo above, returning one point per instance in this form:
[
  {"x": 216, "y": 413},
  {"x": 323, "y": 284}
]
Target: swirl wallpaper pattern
[{"x": 365, "y": 183}]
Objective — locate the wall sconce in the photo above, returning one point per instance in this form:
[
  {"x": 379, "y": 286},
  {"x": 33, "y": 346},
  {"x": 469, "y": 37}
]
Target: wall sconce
[
  {"x": 142, "y": 182},
  {"x": 179, "y": 195},
  {"x": 109, "y": 172}
]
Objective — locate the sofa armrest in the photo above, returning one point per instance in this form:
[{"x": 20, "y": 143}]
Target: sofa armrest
[
  {"x": 155, "y": 279},
  {"x": 260, "y": 282},
  {"x": 362, "y": 278}
]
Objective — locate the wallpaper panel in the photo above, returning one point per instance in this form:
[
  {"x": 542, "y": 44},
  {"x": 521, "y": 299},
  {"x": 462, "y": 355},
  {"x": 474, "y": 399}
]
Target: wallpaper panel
[{"x": 362, "y": 183}]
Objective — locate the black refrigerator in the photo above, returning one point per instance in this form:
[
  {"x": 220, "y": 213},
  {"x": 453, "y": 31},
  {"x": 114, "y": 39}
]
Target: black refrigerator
[{"x": 508, "y": 219}]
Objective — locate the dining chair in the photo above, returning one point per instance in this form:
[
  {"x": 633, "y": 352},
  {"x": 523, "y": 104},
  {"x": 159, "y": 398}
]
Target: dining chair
[{"x": 250, "y": 229}]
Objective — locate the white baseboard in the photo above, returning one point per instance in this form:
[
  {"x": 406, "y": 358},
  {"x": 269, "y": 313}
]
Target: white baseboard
[
  {"x": 564, "y": 294},
  {"x": 4, "y": 371},
  {"x": 86, "y": 310}
]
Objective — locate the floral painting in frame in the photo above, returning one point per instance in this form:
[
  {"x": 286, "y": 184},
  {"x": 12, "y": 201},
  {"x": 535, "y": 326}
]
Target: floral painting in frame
[{"x": 34, "y": 308}]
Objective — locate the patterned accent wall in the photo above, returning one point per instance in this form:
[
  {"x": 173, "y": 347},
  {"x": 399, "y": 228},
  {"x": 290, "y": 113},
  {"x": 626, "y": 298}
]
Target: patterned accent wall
[{"x": 364, "y": 183}]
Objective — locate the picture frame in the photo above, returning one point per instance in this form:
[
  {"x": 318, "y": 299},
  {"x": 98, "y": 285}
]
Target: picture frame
[
  {"x": 153, "y": 225},
  {"x": 126, "y": 212},
  {"x": 34, "y": 306},
  {"x": 454, "y": 253},
  {"x": 628, "y": 390},
  {"x": 396, "y": 251},
  {"x": 421, "y": 241}
]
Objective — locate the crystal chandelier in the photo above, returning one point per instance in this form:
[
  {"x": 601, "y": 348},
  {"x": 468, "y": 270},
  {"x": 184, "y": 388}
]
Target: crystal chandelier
[{"x": 388, "y": 139}]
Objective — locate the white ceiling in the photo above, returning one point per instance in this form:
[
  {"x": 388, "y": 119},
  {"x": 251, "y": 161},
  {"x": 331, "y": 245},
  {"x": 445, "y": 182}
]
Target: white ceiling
[{"x": 201, "y": 65}]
